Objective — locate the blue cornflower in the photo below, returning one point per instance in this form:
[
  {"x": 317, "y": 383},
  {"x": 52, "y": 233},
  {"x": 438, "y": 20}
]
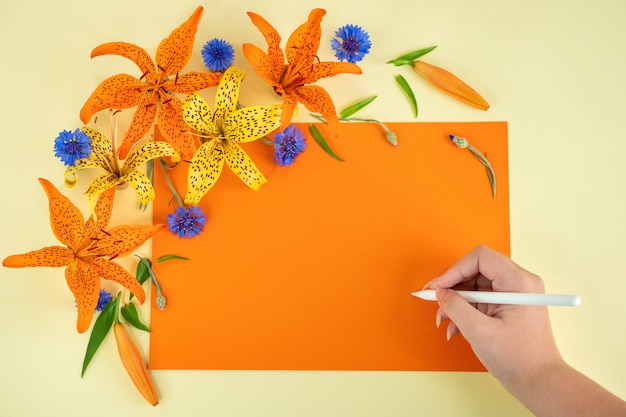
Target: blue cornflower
[
  {"x": 288, "y": 144},
  {"x": 72, "y": 146},
  {"x": 353, "y": 43},
  {"x": 103, "y": 300},
  {"x": 218, "y": 55},
  {"x": 186, "y": 222}
]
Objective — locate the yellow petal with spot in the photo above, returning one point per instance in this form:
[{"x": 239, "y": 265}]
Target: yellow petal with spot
[
  {"x": 141, "y": 184},
  {"x": 241, "y": 164},
  {"x": 252, "y": 123},
  {"x": 204, "y": 171}
]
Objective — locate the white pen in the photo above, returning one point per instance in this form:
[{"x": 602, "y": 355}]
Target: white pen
[{"x": 494, "y": 297}]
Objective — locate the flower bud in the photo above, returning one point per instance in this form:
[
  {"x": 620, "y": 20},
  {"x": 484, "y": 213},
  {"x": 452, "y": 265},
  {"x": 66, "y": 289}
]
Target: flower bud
[
  {"x": 450, "y": 84},
  {"x": 134, "y": 364}
]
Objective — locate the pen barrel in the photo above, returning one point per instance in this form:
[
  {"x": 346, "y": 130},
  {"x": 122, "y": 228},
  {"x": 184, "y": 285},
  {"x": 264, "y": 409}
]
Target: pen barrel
[{"x": 520, "y": 298}]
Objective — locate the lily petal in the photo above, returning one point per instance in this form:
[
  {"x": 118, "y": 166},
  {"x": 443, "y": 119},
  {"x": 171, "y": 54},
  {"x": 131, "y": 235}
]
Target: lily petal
[
  {"x": 330, "y": 69},
  {"x": 95, "y": 225},
  {"x": 241, "y": 164},
  {"x": 123, "y": 240},
  {"x": 141, "y": 184},
  {"x": 114, "y": 272},
  {"x": 53, "y": 256},
  {"x": 172, "y": 127},
  {"x": 316, "y": 99},
  {"x": 102, "y": 148},
  {"x": 102, "y": 183},
  {"x": 85, "y": 285},
  {"x": 174, "y": 52},
  {"x": 66, "y": 220},
  {"x": 131, "y": 51},
  {"x": 204, "y": 171},
  {"x": 254, "y": 122},
  {"x": 268, "y": 66},
  {"x": 193, "y": 81},
  {"x": 227, "y": 94},
  {"x": 149, "y": 151},
  {"x": 196, "y": 112},
  {"x": 304, "y": 42},
  {"x": 142, "y": 122},
  {"x": 121, "y": 91}
]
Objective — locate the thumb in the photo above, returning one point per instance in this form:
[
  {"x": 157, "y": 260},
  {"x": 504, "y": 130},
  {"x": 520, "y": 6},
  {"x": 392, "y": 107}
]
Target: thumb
[{"x": 466, "y": 318}]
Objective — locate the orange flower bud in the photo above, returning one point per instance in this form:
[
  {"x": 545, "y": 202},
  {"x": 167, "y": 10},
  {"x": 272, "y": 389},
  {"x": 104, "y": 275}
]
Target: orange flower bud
[
  {"x": 450, "y": 84},
  {"x": 134, "y": 364}
]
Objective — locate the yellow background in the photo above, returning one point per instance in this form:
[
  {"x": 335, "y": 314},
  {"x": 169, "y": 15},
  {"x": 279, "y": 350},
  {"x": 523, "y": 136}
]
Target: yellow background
[{"x": 552, "y": 69}]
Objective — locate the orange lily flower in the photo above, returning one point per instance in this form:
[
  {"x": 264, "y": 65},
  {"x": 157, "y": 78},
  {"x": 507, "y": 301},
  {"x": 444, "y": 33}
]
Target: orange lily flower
[
  {"x": 134, "y": 364},
  {"x": 153, "y": 92},
  {"x": 291, "y": 80},
  {"x": 88, "y": 250}
]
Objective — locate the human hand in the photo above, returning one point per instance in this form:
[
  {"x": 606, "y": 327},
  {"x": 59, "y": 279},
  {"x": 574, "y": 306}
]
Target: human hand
[{"x": 513, "y": 341}]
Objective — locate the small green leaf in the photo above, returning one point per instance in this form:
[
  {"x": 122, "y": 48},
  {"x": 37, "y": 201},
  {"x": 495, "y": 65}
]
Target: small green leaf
[
  {"x": 408, "y": 59},
  {"x": 317, "y": 136},
  {"x": 142, "y": 272},
  {"x": 165, "y": 258},
  {"x": 100, "y": 329},
  {"x": 350, "y": 110},
  {"x": 408, "y": 91},
  {"x": 130, "y": 314}
]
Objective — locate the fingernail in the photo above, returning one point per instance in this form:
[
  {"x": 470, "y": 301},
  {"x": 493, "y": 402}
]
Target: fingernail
[
  {"x": 438, "y": 318},
  {"x": 430, "y": 284},
  {"x": 449, "y": 332}
]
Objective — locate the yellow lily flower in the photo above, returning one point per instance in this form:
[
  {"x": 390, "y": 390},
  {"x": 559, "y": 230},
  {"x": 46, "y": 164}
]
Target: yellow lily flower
[
  {"x": 221, "y": 132},
  {"x": 103, "y": 157}
]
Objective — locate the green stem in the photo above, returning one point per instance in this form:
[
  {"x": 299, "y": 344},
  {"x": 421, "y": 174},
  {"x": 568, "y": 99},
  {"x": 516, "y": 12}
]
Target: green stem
[{"x": 170, "y": 185}]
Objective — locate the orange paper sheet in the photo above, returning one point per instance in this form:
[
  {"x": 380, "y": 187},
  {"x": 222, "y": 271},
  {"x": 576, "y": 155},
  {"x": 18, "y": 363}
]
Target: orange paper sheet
[{"x": 315, "y": 270}]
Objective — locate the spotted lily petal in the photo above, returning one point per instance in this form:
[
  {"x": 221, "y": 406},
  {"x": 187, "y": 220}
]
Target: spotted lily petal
[
  {"x": 141, "y": 184},
  {"x": 101, "y": 184},
  {"x": 197, "y": 114},
  {"x": 141, "y": 124},
  {"x": 241, "y": 164},
  {"x": 66, "y": 220},
  {"x": 316, "y": 99},
  {"x": 122, "y": 240},
  {"x": 84, "y": 283},
  {"x": 254, "y": 122},
  {"x": 149, "y": 151},
  {"x": 114, "y": 272},
  {"x": 204, "y": 171},
  {"x": 174, "y": 52},
  {"x": 53, "y": 256},
  {"x": 268, "y": 66},
  {"x": 173, "y": 127},
  {"x": 304, "y": 42},
  {"x": 120, "y": 91},
  {"x": 193, "y": 81},
  {"x": 96, "y": 224},
  {"x": 227, "y": 94},
  {"x": 131, "y": 51}
]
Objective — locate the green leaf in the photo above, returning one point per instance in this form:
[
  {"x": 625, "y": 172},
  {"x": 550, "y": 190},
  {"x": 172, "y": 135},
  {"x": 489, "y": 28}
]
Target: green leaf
[
  {"x": 130, "y": 314},
  {"x": 100, "y": 329},
  {"x": 142, "y": 272},
  {"x": 165, "y": 258},
  {"x": 350, "y": 110},
  {"x": 408, "y": 59},
  {"x": 408, "y": 91},
  {"x": 317, "y": 136}
]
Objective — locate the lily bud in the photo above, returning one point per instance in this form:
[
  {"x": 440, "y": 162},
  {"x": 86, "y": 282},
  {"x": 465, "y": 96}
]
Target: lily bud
[
  {"x": 134, "y": 364},
  {"x": 450, "y": 84}
]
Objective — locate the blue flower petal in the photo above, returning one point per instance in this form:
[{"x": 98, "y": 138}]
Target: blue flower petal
[
  {"x": 186, "y": 222},
  {"x": 352, "y": 45},
  {"x": 218, "y": 55},
  {"x": 72, "y": 146},
  {"x": 288, "y": 144}
]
